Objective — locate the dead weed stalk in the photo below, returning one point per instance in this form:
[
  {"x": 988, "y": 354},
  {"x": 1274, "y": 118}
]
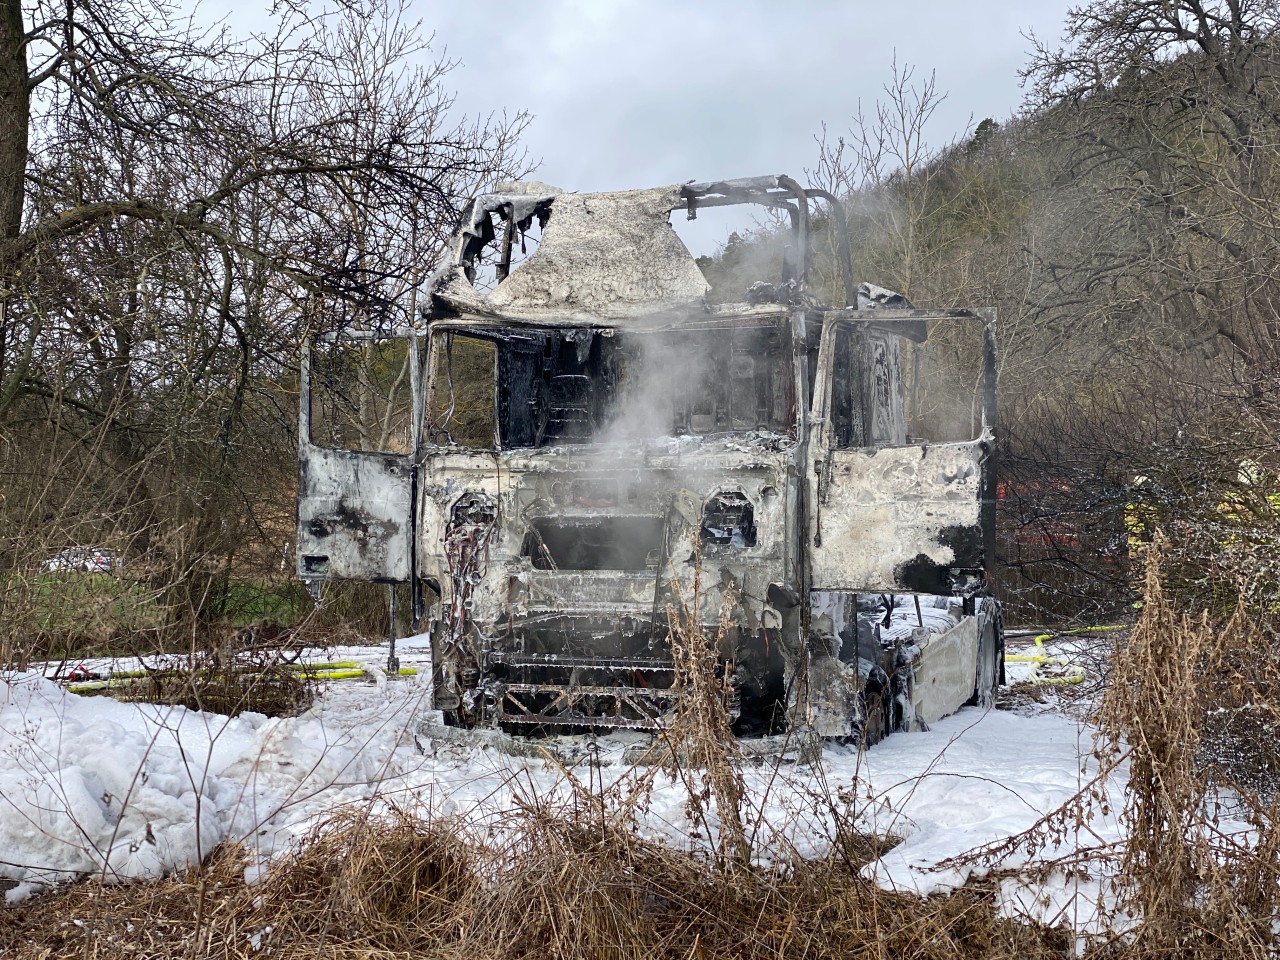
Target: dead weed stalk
[
  {"x": 703, "y": 751},
  {"x": 1197, "y": 888}
]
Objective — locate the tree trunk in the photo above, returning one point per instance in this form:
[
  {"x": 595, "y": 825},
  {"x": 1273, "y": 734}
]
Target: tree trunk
[{"x": 15, "y": 116}]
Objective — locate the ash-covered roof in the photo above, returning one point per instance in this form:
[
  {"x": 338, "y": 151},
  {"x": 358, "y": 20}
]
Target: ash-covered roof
[{"x": 602, "y": 256}]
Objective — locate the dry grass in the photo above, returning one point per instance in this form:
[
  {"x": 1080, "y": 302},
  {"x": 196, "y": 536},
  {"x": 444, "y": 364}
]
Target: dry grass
[
  {"x": 563, "y": 884},
  {"x": 1197, "y": 889},
  {"x": 394, "y": 883},
  {"x": 1198, "y": 875}
]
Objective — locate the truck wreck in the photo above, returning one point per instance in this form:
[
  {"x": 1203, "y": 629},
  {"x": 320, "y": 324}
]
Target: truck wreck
[{"x": 580, "y": 447}]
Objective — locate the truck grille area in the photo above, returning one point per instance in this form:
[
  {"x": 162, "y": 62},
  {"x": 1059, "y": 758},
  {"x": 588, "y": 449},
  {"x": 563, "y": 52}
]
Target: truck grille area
[
  {"x": 594, "y": 543},
  {"x": 547, "y": 706},
  {"x": 610, "y": 680},
  {"x": 552, "y": 690}
]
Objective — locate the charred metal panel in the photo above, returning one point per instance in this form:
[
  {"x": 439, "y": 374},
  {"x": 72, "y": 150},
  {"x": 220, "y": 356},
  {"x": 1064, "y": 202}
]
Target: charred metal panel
[
  {"x": 831, "y": 707},
  {"x": 900, "y": 519},
  {"x": 354, "y": 520},
  {"x": 945, "y": 671},
  {"x": 356, "y": 508},
  {"x": 888, "y": 515},
  {"x": 654, "y": 499},
  {"x": 602, "y": 256}
]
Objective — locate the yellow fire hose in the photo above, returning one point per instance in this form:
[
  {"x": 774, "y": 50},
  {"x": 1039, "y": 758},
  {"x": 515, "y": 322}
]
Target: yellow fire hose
[
  {"x": 343, "y": 670},
  {"x": 1074, "y": 672}
]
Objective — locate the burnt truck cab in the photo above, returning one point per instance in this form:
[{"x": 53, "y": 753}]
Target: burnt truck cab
[{"x": 590, "y": 451}]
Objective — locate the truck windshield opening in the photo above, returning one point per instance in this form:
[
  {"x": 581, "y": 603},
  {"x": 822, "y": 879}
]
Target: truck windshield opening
[{"x": 543, "y": 387}]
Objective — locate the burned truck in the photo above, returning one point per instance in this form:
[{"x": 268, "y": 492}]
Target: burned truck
[{"x": 585, "y": 448}]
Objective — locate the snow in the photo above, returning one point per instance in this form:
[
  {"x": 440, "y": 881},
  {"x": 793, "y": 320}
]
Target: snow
[{"x": 89, "y": 785}]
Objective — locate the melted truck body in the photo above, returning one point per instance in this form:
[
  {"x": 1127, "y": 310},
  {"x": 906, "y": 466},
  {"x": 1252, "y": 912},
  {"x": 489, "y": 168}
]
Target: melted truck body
[{"x": 589, "y": 449}]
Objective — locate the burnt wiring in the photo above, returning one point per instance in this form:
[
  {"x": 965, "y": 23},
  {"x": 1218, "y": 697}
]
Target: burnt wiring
[{"x": 467, "y": 543}]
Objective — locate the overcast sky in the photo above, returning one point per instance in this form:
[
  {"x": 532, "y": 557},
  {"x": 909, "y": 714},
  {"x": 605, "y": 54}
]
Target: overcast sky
[{"x": 632, "y": 94}]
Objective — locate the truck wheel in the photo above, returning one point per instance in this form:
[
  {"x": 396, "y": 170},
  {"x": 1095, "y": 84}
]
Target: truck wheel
[
  {"x": 875, "y": 701},
  {"x": 990, "y": 657}
]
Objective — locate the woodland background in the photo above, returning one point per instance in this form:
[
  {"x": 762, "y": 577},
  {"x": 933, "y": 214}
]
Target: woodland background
[{"x": 179, "y": 208}]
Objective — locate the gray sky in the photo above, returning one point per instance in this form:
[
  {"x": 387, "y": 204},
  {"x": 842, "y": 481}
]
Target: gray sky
[
  {"x": 627, "y": 93},
  {"x": 630, "y": 94}
]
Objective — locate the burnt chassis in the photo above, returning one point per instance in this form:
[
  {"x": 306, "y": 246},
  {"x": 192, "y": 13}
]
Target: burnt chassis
[{"x": 525, "y": 644}]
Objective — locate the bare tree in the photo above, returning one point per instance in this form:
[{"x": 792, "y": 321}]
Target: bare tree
[
  {"x": 178, "y": 207},
  {"x": 1165, "y": 118},
  {"x": 884, "y": 167}
]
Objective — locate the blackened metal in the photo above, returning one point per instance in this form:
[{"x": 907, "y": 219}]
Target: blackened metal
[
  {"x": 729, "y": 520},
  {"x": 508, "y": 237}
]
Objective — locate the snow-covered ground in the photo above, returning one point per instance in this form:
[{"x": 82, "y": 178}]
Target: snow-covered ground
[{"x": 91, "y": 785}]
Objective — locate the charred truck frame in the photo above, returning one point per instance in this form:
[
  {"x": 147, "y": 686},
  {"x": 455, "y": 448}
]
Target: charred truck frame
[{"x": 589, "y": 438}]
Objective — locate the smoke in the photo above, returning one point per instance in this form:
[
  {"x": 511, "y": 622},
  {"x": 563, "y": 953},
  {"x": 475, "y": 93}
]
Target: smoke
[
  {"x": 943, "y": 383},
  {"x": 660, "y": 380},
  {"x": 744, "y": 260},
  {"x": 729, "y": 380}
]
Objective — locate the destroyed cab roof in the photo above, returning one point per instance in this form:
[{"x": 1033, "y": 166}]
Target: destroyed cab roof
[{"x": 603, "y": 257}]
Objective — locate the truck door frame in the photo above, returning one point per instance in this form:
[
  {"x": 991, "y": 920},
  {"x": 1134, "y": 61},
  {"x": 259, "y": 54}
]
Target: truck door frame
[
  {"x": 829, "y": 461},
  {"x": 358, "y": 520}
]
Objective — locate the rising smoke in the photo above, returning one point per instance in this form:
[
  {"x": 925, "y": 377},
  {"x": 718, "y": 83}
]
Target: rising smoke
[{"x": 657, "y": 384}]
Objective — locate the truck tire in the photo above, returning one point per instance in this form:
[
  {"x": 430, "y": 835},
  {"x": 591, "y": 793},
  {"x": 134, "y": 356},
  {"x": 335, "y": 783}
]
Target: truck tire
[{"x": 990, "y": 655}]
